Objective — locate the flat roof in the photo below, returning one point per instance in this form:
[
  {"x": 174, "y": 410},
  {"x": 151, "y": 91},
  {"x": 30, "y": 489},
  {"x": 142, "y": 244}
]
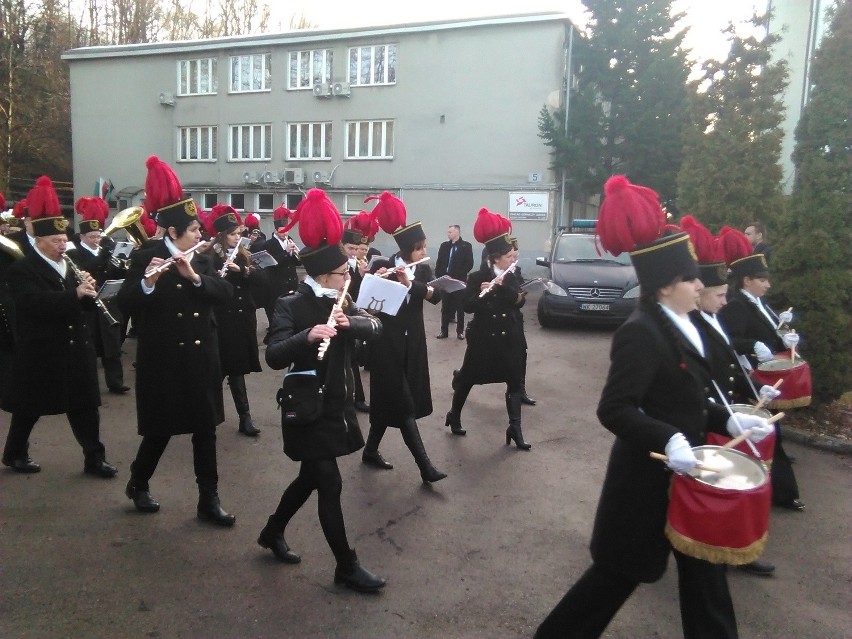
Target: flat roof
[{"x": 302, "y": 36}]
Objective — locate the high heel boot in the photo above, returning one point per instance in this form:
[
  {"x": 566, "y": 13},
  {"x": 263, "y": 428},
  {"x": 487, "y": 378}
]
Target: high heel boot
[
  {"x": 514, "y": 433},
  {"x": 241, "y": 403},
  {"x": 454, "y": 422},
  {"x": 460, "y": 393},
  {"x": 412, "y": 439}
]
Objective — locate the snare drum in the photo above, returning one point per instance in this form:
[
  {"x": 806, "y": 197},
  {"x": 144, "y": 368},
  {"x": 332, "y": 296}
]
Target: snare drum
[
  {"x": 796, "y": 389},
  {"x": 721, "y": 517},
  {"x": 765, "y": 447}
]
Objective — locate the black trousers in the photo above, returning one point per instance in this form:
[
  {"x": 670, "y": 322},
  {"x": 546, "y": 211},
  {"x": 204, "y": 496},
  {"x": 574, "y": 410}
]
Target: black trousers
[
  {"x": 585, "y": 611},
  {"x": 203, "y": 460},
  {"x": 323, "y": 476},
  {"x": 85, "y": 424},
  {"x": 785, "y": 488},
  {"x": 452, "y": 305}
]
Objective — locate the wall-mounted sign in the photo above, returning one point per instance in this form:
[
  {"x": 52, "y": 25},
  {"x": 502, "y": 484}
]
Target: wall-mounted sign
[{"x": 528, "y": 206}]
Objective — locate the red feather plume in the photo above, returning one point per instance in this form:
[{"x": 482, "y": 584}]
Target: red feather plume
[
  {"x": 631, "y": 215},
  {"x": 2, "y": 202},
  {"x": 734, "y": 244},
  {"x": 318, "y": 220},
  {"x": 489, "y": 225},
  {"x": 389, "y": 211},
  {"x": 162, "y": 186},
  {"x": 20, "y": 209},
  {"x": 707, "y": 246},
  {"x": 92, "y": 208},
  {"x": 42, "y": 200},
  {"x": 148, "y": 224},
  {"x": 222, "y": 209},
  {"x": 365, "y": 223}
]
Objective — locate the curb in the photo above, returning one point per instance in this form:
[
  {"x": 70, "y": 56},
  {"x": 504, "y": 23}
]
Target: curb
[{"x": 821, "y": 442}]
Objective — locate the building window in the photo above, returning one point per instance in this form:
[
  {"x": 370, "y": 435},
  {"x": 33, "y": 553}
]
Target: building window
[
  {"x": 210, "y": 200},
  {"x": 291, "y": 200},
  {"x": 197, "y": 77},
  {"x": 369, "y": 139},
  {"x": 309, "y": 140},
  {"x": 238, "y": 201},
  {"x": 250, "y": 142},
  {"x": 251, "y": 72},
  {"x": 308, "y": 68},
  {"x": 265, "y": 202},
  {"x": 372, "y": 65},
  {"x": 197, "y": 143},
  {"x": 354, "y": 203}
]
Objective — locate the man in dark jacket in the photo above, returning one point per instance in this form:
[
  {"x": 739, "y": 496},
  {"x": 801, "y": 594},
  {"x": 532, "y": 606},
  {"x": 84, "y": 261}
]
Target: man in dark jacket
[
  {"x": 54, "y": 366},
  {"x": 455, "y": 259}
]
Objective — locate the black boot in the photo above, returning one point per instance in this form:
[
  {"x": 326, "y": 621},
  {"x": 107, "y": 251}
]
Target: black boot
[
  {"x": 371, "y": 455},
  {"x": 460, "y": 393},
  {"x": 97, "y": 465},
  {"x": 412, "y": 439},
  {"x": 526, "y": 399},
  {"x": 454, "y": 422},
  {"x": 353, "y": 575},
  {"x": 241, "y": 403},
  {"x": 209, "y": 508},
  {"x": 513, "y": 433},
  {"x": 142, "y": 499},
  {"x": 275, "y": 542}
]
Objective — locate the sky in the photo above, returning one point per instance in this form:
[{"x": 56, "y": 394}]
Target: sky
[{"x": 706, "y": 18}]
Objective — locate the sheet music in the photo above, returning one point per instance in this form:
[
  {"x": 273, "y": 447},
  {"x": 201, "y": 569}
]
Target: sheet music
[
  {"x": 109, "y": 289},
  {"x": 448, "y": 284},
  {"x": 380, "y": 295},
  {"x": 262, "y": 259}
]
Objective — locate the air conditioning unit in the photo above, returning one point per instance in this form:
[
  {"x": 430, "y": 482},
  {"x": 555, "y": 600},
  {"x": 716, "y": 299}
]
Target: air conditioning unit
[
  {"x": 322, "y": 90},
  {"x": 167, "y": 99},
  {"x": 250, "y": 178},
  {"x": 271, "y": 177},
  {"x": 322, "y": 177},
  {"x": 341, "y": 89},
  {"x": 293, "y": 176}
]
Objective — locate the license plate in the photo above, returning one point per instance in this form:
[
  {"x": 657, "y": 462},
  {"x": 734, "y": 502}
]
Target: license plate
[{"x": 594, "y": 307}]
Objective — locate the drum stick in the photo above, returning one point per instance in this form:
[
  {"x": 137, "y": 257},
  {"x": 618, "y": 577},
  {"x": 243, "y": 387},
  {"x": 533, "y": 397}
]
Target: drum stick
[
  {"x": 781, "y": 322},
  {"x": 745, "y": 434},
  {"x": 664, "y": 458},
  {"x": 731, "y": 412},
  {"x": 763, "y": 400},
  {"x": 793, "y": 352},
  {"x": 775, "y": 418}
]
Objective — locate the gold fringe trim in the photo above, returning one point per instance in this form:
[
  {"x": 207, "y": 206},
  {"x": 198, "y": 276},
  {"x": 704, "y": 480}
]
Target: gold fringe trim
[
  {"x": 799, "y": 402},
  {"x": 716, "y": 554}
]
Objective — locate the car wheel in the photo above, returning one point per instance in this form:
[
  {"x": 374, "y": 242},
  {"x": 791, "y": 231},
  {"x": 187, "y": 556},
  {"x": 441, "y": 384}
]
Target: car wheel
[{"x": 544, "y": 320}]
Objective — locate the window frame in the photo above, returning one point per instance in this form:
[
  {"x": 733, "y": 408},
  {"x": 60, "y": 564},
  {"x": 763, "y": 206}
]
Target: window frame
[
  {"x": 326, "y": 137},
  {"x": 354, "y": 66},
  {"x": 231, "y": 196},
  {"x": 266, "y": 142},
  {"x": 357, "y": 124},
  {"x": 266, "y": 73},
  {"x": 259, "y": 208},
  {"x": 186, "y": 65},
  {"x": 212, "y": 142},
  {"x": 206, "y": 199},
  {"x": 294, "y": 68}
]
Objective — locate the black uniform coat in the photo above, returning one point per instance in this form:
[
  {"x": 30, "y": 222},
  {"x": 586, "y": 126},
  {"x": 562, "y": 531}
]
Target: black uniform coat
[
  {"x": 398, "y": 362},
  {"x": 724, "y": 366},
  {"x": 745, "y": 324},
  {"x": 237, "y": 321},
  {"x": 496, "y": 344},
  {"x": 337, "y": 433},
  {"x": 54, "y": 367},
  {"x": 282, "y": 278},
  {"x": 653, "y": 390},
  {"x": 178, "y": 376}
]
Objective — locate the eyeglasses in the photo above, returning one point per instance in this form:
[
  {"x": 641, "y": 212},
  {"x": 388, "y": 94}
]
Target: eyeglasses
[{"x": 339, "y": 272}]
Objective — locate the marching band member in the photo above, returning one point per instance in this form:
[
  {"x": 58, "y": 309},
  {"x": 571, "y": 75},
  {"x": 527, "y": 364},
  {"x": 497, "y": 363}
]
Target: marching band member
[
  {"x": 282, "y": 278},
  {"x": 352, "y": 240},
  {"x": 93, "y": 256},
  {"x": 237, "y": 322},
  {"x": 653, "y": 400},
  {"x": 54, "y": 366},
  {"x": 400, "y": 392},
  {"x": 253, "y": 232},
  {"x": 300, "y": 325},
  {"x": 496, "y": 344},
  {"x": 178, "y": 375}
]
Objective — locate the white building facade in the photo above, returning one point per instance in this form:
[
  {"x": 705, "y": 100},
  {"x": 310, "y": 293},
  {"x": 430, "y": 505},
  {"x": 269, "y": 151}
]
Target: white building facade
[{"x": 442, "y": 114}]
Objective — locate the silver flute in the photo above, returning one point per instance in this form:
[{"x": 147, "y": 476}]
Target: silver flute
[
  {"x": 81, "y": 278},
  {"x": 338, "y": 304},
  {"x": 167, "y": 263}
]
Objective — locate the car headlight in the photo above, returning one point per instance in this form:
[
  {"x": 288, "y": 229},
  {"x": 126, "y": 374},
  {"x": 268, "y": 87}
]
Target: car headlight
[
  {"x": 555, "y": 289},
  {"x": 633, "y": 293}
]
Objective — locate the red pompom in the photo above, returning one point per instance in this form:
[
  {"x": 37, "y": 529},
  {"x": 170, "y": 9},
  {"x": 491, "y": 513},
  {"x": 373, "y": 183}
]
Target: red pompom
[
  {"x": 389, "y": 211},
  {"x": 365, "y": 223},
  {"x": 734, "y": 244},
  {"x": 20, "y": 209},
  {"x": 489, "y": 225},
  {"x": 707, "y": 246},
  {"x": 162, "y": 186},
  {"x": 282, "y": 213},
  {"x": 42, "y": 200},
  {"x": 318, "y": 220},
  {"x": 92, "y": 208},
  {"x": 630, "y": 215},
  {"x": 251, "y": 221}
]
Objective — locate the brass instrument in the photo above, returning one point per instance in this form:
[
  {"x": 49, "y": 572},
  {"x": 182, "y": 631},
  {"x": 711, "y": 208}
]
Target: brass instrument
[
  {"x": 10, "y": 247},
  {"x": 129, "y": 220},
  {"x": 338, "y": 304},
  {"x": 81, "y": 278}
]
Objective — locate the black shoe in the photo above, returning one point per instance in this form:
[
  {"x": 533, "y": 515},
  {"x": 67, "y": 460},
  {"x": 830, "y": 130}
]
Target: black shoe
[
  {"x": 376, "y": 460},
  {"x": 119, "y": 390},
  {"x": 442, "y": 335},
  {"x": 356, "y": 577},
  {"x": 247, "y": 426},
  {"x": 759, "y": 568},
  {"x": 793, "y": 504},
  {"x": 209, "y": 509},
  {"x": 275, "y": 542},
  {"x": 22, "y": 465},
  {"x": 141, "y": 498},
  {"x": 460, "y": 335},
  {"x": 100, "y": 468},
  {"x": 362, "y": 407}
]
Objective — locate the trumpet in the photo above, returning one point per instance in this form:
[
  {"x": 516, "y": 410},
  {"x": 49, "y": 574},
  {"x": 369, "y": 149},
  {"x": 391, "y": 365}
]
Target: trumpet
[
  {"x": 165, "y": 265},
  {"x": 338, "y": 304},
  {"x": 395, "y": 269},
  {"x": 81, "y": 278},
  {"x": 498, "y": 279}
]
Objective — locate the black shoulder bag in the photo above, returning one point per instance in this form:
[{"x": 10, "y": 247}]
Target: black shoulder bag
[{"x": 301, "y": 397}]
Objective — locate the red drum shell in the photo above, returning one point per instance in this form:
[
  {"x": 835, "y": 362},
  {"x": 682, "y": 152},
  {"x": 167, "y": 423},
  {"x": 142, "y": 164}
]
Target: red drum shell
[
  {"x": 765, "y": 447},
  {"x": 720, "y": 525},
  {"x": 796, "y": 389}
]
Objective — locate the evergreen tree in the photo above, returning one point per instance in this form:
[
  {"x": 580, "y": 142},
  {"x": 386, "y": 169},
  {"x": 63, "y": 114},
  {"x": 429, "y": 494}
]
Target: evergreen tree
[
  {"x": 812, "y": 250},
  {"x": 732, "y": 145},
  {"x": 628, "y": 107}
]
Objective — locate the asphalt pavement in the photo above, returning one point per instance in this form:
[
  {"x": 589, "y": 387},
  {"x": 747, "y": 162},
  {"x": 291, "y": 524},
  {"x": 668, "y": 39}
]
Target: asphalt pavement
[{"x": 484, "y": 553}]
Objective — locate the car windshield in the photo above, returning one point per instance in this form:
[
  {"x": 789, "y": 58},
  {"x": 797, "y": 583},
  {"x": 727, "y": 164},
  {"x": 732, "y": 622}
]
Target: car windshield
[{"x": 582, "y": 248}]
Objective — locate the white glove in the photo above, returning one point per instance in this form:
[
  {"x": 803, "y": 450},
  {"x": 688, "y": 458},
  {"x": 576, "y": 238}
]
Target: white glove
[
  {"x": 790, "y": 339},
  {"x": 762, "y": 352},
  {"x": 758, "y": 426},
  {"x": 681, "y": 458},
  {"x": 785, "y": 317},
  {"x": 767, "y": 393}
]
